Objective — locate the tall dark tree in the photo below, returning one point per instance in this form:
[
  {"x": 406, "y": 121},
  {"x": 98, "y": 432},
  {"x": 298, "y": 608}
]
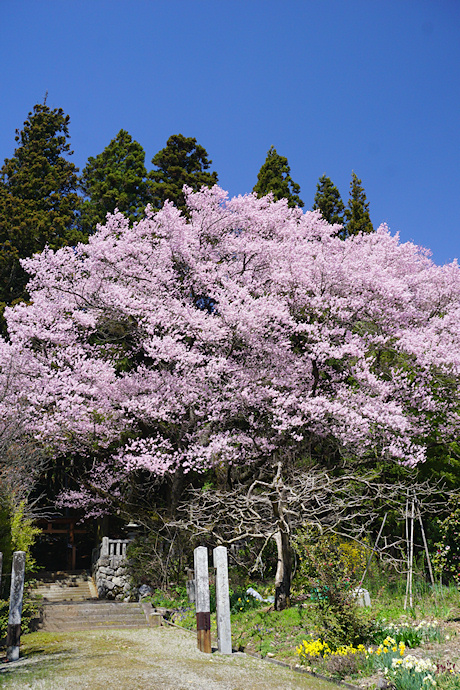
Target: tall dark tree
[
  {"x": 275, "y": 176},
  {"x": 38, "y": 196},
  {"x": 116, "y": 178},
  {"x": 181, "y": 162},
  {"x": 357, "y": 212},
  {"x": 329, "y": 202}
]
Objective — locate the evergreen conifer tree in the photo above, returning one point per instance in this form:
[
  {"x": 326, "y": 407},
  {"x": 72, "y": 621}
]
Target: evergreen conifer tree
[
  {"x": 328, "y": 201},
  {"x": 181, "y": 162},
  {"x": 38, "y": 197},
  {"x": 116, "y": 178},
  {"x": 274, "y": 176},
  {"x": 357, "y": 212}
]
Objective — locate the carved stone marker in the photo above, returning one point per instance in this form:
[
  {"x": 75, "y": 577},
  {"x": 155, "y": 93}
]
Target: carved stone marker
[
  {"x": 203, "y": 615},
  {"x": 14, "y": 619},
  {"x": 224, "y": 630}
]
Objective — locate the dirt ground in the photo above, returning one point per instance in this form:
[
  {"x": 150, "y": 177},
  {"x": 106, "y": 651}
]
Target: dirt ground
[{"x": 165, "y": 658}]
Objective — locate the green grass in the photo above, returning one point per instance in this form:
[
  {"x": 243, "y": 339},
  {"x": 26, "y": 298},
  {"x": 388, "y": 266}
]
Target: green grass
[{"x": 276, "y": 632}]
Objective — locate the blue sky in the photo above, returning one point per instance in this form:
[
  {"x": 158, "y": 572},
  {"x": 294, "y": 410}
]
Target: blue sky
[{"x": 335, "y": 85}]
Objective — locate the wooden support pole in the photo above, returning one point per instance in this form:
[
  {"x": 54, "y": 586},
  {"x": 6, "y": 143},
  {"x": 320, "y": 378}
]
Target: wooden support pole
[
  {"x": 203, "y": 614},
  {"x": 407, "y": 553},
  {"x": 427, "y": 553},
  {"x": 224, "y": 630},
  {"x": 410, "y": 561},
  {"x": 14, "y": 618}
]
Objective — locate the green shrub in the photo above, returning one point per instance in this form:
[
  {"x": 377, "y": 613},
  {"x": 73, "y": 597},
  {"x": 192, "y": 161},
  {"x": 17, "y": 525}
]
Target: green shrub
[
  {"x": 446, "y": 559},
  {"x": 18, "y": 533},
  {"x": 158, "y": 560},
  {"x": 23, "y": 534},
  {"x": 323, "y": 573},
  {"x": 30, "y": 612}
]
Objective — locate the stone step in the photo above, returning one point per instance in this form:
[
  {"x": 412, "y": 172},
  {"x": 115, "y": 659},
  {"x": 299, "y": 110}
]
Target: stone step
[
  {"x": 65, "y": 586},
  {"x": 57, "y": 588},
  {"x": 96, "y": 615},
  {"x": 99, "y": 605},
  {"x": 101, "y": 625},
  {"x": 139, "y": 622}
]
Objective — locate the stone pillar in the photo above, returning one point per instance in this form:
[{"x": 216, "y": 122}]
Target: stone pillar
[
  {"x": 224, "y": 630},
  {"x": 14, "y": 619},
  {"x": 105, "y": 546},
  {"x": 203, "y": 615}
]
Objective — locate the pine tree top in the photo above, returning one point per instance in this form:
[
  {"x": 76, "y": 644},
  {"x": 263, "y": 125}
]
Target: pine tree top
[
  {"x": 328, "y": 201},
  {"x": 357, "y": 211},
  {"x": 274, "y": 176},
  {"x": 39, "y": 170},
  {"x": 115, "y": 178},
  {"x": 181, "y": 162},
  {"x": 38, "y": 197}
]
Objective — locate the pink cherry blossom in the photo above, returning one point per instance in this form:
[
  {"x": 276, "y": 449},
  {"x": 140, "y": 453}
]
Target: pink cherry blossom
[{"x": 239, "y": 333}]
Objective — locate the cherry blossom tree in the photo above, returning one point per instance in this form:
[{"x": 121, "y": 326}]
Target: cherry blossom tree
[{"x": 238, "y": 333}]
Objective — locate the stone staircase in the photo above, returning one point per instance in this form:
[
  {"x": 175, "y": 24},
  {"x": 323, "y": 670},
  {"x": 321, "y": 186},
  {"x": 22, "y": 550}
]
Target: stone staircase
[
  {"x": 70, "y": 603},
  {"x": 65, "y": 586},
  {"x": 94, "y": 615}
]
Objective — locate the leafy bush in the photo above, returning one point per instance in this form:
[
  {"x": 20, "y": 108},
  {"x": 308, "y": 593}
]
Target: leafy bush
[
  {"x": 324, "y": 573},
  {"x": 446, "y": 559},
  {"x": 30, "y": 612},
  {"x": 23, "y": 533},
  {"x": 175, "y": 597},
  {"x": 158, "y": 560},
  {"x": 18, "y": 533}
]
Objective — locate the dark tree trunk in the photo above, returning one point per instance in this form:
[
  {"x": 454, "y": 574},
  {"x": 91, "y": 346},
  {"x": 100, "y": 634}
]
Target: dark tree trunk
[{"x": 177, "y": 489}]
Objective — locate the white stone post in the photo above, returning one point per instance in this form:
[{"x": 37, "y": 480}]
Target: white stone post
[
  {"x": 224, "y": 630},
  {"x": 203, "y": 615},
  {"x": 14, "y": 619},
  {"x": 105, "y": 546}
]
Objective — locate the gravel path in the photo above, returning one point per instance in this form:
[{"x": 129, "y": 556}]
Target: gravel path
[{"x": 165, "y": 658}]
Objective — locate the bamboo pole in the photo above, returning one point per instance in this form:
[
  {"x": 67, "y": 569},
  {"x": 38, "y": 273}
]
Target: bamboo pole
[
  {"x": 407, "y": 552},
  {"x": 411, "y": 559},
  {"x": 430, "y": 569}
]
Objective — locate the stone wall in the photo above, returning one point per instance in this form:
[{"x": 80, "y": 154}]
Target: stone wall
[{"x": 109, "y": 572}]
